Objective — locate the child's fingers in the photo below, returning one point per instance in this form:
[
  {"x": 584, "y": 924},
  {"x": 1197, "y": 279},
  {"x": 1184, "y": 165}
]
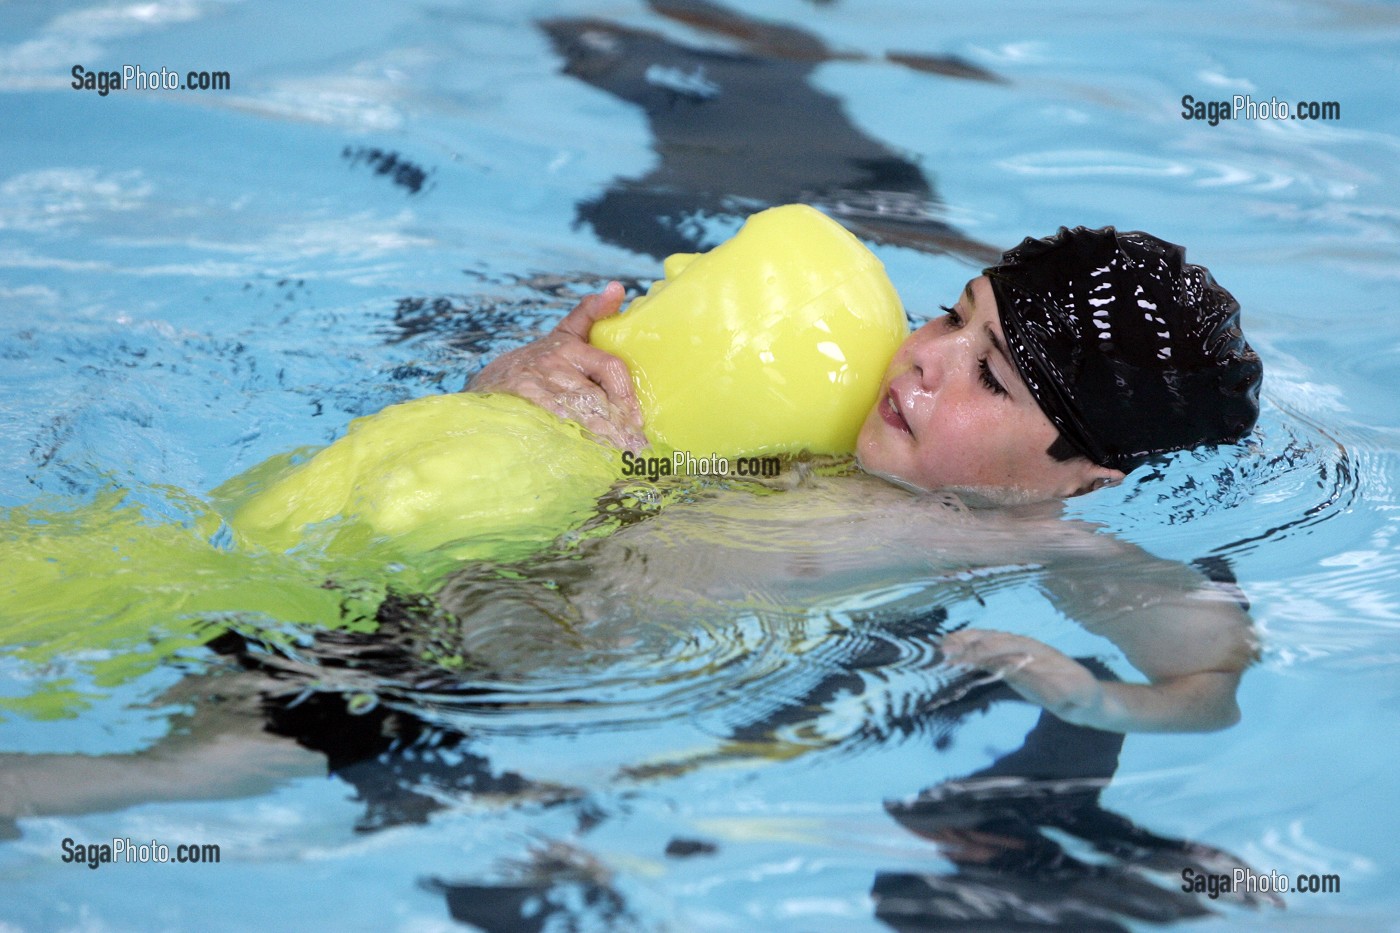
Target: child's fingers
[
  {"x": 612, "y": 375},
  {"x": 593, "y": 308}
]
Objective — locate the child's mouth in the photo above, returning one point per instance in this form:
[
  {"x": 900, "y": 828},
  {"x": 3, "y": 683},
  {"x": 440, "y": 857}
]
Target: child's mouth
[{"x": 889, "y": 411}]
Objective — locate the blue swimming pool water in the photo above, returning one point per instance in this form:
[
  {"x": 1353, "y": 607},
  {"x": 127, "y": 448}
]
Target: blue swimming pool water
[{"x": 192, "y": 282}]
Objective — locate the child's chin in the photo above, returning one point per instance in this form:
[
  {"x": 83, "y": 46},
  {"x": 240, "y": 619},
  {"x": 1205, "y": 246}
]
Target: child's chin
[{"x": 868, "y": 448}]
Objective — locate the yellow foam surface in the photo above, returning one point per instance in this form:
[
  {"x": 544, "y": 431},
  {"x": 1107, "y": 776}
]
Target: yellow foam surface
[
  {"x": 772, "y": 342},
  {"x": 490, "y": 469}
]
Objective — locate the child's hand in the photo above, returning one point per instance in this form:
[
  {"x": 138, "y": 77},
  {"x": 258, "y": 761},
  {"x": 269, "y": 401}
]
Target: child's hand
[
  {"x": 562, "y": 373},
  {"x": 1033, "y": 669}
]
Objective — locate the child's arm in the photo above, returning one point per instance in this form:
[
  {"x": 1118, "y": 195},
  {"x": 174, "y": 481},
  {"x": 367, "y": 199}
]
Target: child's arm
[
  {"x": 1191, "y": 638},
  {"x": 1202, "y": 701}
]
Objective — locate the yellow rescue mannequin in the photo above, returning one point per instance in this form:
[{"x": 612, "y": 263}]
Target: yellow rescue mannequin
[{"x": 774, "y": 342}]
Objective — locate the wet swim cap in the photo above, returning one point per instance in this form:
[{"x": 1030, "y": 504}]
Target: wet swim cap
[{"x": 1129, "y": 350}]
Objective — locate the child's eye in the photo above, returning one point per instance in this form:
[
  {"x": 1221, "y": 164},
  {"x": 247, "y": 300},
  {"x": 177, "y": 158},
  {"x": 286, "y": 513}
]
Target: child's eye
[
  {"x": 954, "y": 318},
  {"x": 989, "y": 380}
]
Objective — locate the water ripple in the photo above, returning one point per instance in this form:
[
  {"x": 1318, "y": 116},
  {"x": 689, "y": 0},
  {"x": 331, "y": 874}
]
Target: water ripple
[
  {"x": 774, "y": 683},
  {"x": 1293, "y": 474}
]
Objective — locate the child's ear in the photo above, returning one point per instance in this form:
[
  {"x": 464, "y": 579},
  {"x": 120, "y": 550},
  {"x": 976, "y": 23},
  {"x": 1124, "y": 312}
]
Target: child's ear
[{"x": 1097, "y": 477}]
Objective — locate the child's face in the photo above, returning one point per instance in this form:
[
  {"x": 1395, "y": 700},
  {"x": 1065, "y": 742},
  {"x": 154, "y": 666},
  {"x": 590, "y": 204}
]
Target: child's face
[{"x": 953, "y": 413}]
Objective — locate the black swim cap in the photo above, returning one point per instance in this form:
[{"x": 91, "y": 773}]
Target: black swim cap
[{"x": 1129, "y": 350}]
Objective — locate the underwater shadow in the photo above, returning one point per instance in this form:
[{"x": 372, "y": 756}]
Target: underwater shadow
[
  {"x": 743, "y": 128},
  {"x": 1030, "y": 845}
]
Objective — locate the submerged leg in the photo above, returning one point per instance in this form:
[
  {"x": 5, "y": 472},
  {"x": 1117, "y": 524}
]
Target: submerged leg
[
  {"x": 361, "y": 700},
  {"x": 219, "y": 750}
]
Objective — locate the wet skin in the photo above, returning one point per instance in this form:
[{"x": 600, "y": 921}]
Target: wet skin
[{"x": 954, "y": 414}]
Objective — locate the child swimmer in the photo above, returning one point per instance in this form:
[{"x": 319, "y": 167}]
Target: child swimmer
[{"x": 1059, "y": 370}]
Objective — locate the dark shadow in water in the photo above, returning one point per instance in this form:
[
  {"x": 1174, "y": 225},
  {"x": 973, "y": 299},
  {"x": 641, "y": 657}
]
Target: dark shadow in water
[
  {"x": 399, "y": 169},
  {"x": 743, "y": 129},
  {"x": 559, "y": 888},
  {"x": 1003, "y": 829},
  {"x": 403, "y": 766},
  {"x": 497, "y": 315},
  {"x": 735, "y": 131}
]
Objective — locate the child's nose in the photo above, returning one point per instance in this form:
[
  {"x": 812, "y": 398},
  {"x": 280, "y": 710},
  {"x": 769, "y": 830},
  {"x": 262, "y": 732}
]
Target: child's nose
[{"x": 931, "y": 359}]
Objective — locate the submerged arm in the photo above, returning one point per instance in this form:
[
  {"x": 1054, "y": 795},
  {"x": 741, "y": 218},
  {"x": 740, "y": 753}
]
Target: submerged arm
[
  {"x": 1202, "y": 701},
  {"x": 1191, "y": 639}
]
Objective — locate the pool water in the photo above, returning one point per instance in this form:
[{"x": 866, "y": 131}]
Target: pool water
[{"x": 191, "y": 283}]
